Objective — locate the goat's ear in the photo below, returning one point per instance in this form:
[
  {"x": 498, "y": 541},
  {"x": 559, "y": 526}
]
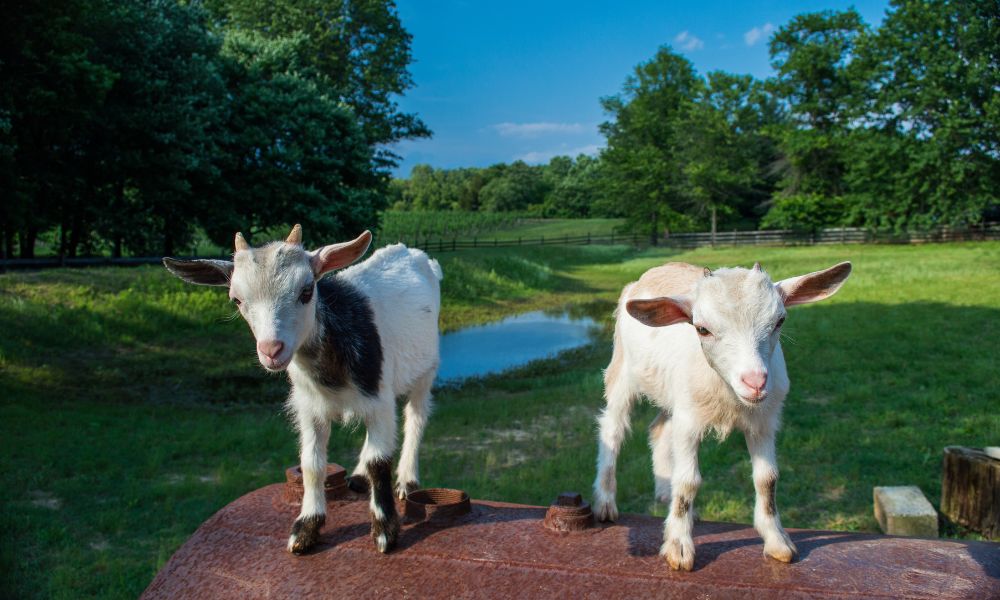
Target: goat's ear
[
  {"x": 813, "y": 287},
  {"x": 201, "y": 272},
  {"x": 660, "y": 312},
  {"x": 338, "y": 256}
]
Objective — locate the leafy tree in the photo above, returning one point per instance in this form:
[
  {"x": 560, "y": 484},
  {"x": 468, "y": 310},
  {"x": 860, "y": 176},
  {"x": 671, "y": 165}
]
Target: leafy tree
[
  {"x": 357, "y": 52},
  {"x": 289, "y": 153},
  {"x": 930, "y": 150},
  {"x": 812, "y": 56},
  {"x": 643, "y": 142},
  {"x": 517, "y": 188},
  {"x": 724, "y": 151}
]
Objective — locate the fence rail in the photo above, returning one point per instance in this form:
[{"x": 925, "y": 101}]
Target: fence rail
[{"x": 836, "y": 235}]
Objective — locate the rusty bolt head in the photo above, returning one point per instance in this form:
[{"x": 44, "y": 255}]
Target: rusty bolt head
[
  {"x": 569, "y": 513},
  {"x": 434, "y": 504},
  {"x": 335, "y": 485}
]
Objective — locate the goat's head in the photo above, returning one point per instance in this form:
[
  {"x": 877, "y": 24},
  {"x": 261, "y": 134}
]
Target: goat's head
[
  {"x": 738, "y": 314},
  {"x": 274, "y": 287}
]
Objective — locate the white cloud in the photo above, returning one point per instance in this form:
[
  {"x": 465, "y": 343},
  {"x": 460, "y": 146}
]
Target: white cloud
[
  {"x": 757, "y": 33},
  {"x": 686, "y": 41},
  {"x": 544, "y": 156},
  {"x": 530, "y": 130}
]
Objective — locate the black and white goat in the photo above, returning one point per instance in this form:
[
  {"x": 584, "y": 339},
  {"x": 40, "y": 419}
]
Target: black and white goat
[
  {"x": 351, "y": 343},
  {"x": 704, "y": 347}
]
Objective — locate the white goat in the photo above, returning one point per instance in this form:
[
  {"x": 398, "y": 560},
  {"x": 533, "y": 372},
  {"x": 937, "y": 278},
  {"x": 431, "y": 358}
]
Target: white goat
[
  {"x": 704, "y": 347},
  {"x": 352, "y": 343}
]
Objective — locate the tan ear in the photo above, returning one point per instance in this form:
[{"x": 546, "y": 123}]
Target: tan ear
[
  {"x": 660, "y": 312},
  {"x": 338, "y": 256},
  {"x": 813, "y": 287}
]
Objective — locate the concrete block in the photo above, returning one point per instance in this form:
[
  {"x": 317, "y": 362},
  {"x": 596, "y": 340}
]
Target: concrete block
[{"x": 903, "y": 510}]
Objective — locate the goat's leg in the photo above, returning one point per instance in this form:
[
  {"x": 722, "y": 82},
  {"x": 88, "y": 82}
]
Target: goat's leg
[
  {"x": 766, "y": 521},
  {"x": 380, "y": 443},
  {"x": 678, "y": 546},
  {"x": 614, "y": 424},
  {"x": 313, "y": 437},
  {"x": 415, "y": 414},
  {"x": 659, "y": 443}
]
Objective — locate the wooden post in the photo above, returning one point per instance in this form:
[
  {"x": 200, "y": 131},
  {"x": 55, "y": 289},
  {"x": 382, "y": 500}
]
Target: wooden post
[{"x": 970, "y": 490}]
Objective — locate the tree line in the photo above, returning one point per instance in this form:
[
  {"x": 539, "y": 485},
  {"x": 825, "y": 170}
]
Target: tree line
[
  {"x": 889, "y": 128},
  {"x": 128, "y": 125}
]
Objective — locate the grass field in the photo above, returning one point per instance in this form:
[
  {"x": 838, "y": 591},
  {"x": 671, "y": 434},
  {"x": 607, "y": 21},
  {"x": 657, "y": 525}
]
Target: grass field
[{"x": 132, "y": 407}]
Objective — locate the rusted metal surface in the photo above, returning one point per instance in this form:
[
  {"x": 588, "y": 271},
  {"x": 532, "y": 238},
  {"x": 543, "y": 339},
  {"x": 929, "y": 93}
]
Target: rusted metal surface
[
  {"x": 569, "y": 513},
  {"x": 437, "y": 504},
  {"x": 500, "y": 550},
  {"x": 335, "y": 485}
]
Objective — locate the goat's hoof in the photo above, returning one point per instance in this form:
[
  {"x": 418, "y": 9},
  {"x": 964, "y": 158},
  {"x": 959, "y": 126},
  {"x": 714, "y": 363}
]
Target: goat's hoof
[
  {"x": 358, "y": 484},
  {"x": 679, "y": 554},
  {"x": 305, "y": 533},
  {"x": 781, "y": 549},
  {"x": 605, "y": 510},
  {"x": 405, "y": 489},
  {"x": 385, "y": 533}
]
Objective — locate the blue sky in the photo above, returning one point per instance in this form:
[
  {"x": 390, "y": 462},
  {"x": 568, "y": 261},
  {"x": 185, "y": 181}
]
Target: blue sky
[{"x": 502, "y": 81}]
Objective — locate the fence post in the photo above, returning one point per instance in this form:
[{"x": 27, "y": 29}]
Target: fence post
[
  {"x": 453, "y": 244},
  {"x": 518, "y": 240},
  {"x": 494, "y": 242},
  {"x": 543, "y": 240},
  {"x": 612, "y": 237},
  {"x": 588, "y": 238},
  {"x": 475, "y": 242}
]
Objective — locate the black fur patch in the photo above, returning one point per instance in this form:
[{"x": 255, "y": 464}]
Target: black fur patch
[
  {"x": 769, "y": 505},
  {"x": 380, "y": 482},
  {"x": 350, "y": 349},
  {"x": 306, "y": 532},
  {"x": 682, "y": 506}
]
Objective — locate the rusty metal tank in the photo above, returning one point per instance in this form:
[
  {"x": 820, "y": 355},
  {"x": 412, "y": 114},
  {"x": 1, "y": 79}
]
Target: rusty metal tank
[{"x": 454, "y": 547}]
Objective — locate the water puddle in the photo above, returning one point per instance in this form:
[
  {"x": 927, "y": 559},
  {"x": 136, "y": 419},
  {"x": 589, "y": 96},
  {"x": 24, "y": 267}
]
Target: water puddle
[{"x": 512, "y": 342}]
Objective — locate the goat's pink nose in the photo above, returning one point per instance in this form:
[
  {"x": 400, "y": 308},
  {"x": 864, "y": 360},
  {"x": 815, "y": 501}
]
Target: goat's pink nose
[
  {"x": 755, "y": 380},
  {"x": 270, "y": 348}
]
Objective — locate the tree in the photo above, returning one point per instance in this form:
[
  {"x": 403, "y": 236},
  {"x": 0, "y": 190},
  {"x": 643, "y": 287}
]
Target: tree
[
  {"x": 518, "y": 187},
  {"x": 642, "y": 140},
  {"x": 357, "y": 52},
  {"x": 724, "y": 151},
  {"x": 813, "y": 58},
  {"x": 289, "y": 153},
  {"x": 929, "y": 153}
]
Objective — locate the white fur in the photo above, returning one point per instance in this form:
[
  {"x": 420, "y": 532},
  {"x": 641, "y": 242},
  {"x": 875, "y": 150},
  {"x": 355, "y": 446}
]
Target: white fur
[
  {"x": 697, "y": 382},
  {"x": 402, "y": 286}
]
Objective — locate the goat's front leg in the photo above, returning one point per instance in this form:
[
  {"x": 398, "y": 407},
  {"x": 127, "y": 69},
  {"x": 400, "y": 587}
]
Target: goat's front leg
[
  {"x": 313, "y": 437},
  {"x": 376, "y": 455},
  {"x": 678, "y": 545},
  {"x": 777, "y": 544}
]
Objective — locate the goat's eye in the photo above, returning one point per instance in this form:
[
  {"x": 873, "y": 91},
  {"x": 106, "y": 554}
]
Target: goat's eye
[
  {"x": 236, "y": 301},
  {"x": 702, "y": 331},
  {"x": 780, "y": 322},
  {"x": 306, "y": 295}
]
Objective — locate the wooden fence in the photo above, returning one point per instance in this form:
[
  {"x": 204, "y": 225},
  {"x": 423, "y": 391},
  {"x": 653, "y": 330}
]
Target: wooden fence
[
  {"x": 836, "y": 235},
  {"x": 775, "y": 237}
]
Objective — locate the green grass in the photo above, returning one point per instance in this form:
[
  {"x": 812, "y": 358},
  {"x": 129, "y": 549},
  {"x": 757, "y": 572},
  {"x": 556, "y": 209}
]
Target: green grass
[{"x": 132, "y": 408}]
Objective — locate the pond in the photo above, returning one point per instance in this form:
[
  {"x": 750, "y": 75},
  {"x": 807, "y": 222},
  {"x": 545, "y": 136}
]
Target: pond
[{"x": 512, "y": 342}]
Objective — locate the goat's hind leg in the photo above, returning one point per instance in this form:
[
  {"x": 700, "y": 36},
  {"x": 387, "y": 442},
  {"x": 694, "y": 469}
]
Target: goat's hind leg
[
  {"x": 415, "y": 415},
  {"x": 659, "y": 444},
  {"x": 313, "y": 437},
  {"x": 613, "y": 423},
  {"x": 380, "y": 443}
]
